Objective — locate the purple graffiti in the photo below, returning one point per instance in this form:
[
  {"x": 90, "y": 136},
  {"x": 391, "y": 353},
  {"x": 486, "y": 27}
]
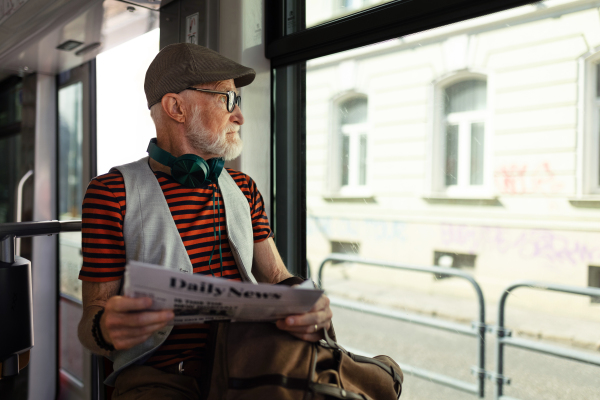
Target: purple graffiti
[{"x": 528, "y": 244}]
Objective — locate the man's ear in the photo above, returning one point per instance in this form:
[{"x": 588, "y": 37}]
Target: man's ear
[{"x": 172, "y": 105}]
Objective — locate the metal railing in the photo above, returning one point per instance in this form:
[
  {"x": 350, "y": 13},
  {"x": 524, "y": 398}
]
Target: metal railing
[
  {"x": 503, "y": 335},
  {"x": 19, "y": 207},
  {"x": 477, "y": 328},
  {"x": 13, "y": 230}
]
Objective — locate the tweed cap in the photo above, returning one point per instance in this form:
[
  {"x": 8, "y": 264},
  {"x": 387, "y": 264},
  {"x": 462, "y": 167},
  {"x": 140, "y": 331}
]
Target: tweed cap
[{"x": 181, "y": 65}]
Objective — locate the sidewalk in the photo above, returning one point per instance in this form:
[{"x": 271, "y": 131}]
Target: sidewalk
[{"x": 525, "y": 323}]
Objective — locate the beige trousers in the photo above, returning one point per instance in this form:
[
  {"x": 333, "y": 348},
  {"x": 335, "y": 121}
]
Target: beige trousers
[{"x": 140, "y": 382}]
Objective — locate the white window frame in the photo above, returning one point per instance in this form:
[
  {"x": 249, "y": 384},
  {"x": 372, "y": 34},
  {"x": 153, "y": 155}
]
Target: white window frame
[
  {"x": 354, "y": 131},
  {"x": 436, "y": 185},
  {"x": 464, "y": 121},
  {"x": 335, "y": 187},
  {"x": 588, "y": 141}
]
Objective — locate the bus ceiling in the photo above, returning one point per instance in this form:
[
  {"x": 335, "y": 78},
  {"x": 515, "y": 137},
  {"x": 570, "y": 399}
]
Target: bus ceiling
[{"x": 49, "y": 37}]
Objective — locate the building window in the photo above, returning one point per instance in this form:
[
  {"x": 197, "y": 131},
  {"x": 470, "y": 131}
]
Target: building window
[
  {"x": 588, "y": 141},
  {"x": 352, "y": 144},
  {"x": 464, "y": 129},
  {"x": 594, "y": 280},
  {"x": 596, "y": 150},
  {"x": 350, "y": 248},
  {"x": 594, "y": 156}
]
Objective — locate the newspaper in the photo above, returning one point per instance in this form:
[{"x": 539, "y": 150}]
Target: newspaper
[{"x": 197, "y": 298}]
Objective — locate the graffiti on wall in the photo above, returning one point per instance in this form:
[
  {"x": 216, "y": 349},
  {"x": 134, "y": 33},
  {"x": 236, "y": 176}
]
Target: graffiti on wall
[
  {"x": 554, "y": 247},
  {"x": 521, "y": 179}
]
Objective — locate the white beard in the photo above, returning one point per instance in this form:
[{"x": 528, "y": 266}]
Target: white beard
[{"x": 223, "y": 144}]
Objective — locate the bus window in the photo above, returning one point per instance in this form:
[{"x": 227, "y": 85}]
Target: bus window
[
  {"x": 475, "y": 147},
  {"x": 76, "y": 139},
  {"x": 124, "y": 123}
]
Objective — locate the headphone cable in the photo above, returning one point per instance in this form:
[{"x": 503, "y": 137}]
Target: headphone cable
[
  {"x": 219, "y": 215},
  {"x": 215, "y": 236}
]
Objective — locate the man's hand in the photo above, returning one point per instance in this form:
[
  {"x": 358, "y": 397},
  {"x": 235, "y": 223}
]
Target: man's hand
[
  {"x": 124, "y": 324},
  {"x": 303, "y": 326},
  {"x": 268, "y": 267}
]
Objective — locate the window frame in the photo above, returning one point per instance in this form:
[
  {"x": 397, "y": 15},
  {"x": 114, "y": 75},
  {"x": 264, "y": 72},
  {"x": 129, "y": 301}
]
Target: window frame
[
  {"x": 354, "y": 133},
  {"x": 436, "y": 170},
  {"x": 373, "y": 25},
  {"x": 335, "y": 188},
  {"x": 588, "y": 141}
]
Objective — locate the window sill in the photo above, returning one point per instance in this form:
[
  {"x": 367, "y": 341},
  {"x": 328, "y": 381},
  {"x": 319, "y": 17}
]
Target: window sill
[
  {"x": 589, "y": 201},
  {"x": 473, "y": 200},
  {"x": 350, "y": 199}
]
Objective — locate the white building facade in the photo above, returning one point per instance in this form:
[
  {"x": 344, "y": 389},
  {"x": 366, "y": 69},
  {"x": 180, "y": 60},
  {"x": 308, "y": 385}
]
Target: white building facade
[{"x": 474, "y": 146}]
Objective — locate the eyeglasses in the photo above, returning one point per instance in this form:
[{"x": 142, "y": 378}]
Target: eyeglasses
[{"x": 232, "y": 98}]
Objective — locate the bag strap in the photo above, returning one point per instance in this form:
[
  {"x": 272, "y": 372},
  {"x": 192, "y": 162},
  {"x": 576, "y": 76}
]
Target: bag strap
[
  {"x": 293, "y": 383},
  {"x": 335, "y": 392},
  {"x": 363, "y": 359},
  {"x": 263, "y": 380},
  {"x": 332, "y": 343},
  {"x": 381, "y": 365}
]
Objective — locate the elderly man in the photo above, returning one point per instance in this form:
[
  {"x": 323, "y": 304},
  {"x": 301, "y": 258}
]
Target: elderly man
[{"x": 178, "y": 208}]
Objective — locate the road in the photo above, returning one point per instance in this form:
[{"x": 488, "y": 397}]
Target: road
[{"x": 534, "y": 376}]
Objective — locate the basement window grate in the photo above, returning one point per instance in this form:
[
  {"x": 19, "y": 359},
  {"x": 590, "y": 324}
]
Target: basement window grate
[
  {"x": 594, "y": 281},
  {"x": 453, "y": 260}
]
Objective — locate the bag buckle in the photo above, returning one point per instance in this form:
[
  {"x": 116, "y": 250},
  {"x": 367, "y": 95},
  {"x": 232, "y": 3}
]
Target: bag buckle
[{"x": 180, "y": 368}]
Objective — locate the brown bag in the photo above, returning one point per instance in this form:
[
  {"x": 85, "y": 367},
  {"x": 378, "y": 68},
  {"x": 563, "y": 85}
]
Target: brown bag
[{"x": 259, "y": 361}]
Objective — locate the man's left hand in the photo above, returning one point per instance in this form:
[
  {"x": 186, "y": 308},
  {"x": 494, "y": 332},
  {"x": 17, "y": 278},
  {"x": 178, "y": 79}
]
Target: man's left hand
[{"x": 303, "y": 326}]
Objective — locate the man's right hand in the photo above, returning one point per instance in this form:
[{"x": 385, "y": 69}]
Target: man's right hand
[{"x": 125, "y": 324}]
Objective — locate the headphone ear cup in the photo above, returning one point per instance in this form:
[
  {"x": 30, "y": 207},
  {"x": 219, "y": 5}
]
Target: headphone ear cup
[
  {"x": 216, "y": 167},
  {"x": 190, "y": 170}
]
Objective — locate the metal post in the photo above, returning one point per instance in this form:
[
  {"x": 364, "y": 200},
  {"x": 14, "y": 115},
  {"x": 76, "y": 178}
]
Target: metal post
[
  {"x": 482, "y": 329},
  {"x": 10, "y": 365},
  {"x": 289, "y": 171},
  {"x": 7, "y": 249},
  {"x": 500, "y": 333},
  {"x": 503, "y": 335}
]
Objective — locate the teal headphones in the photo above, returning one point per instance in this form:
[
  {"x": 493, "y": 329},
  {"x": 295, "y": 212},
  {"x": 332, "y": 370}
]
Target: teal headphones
[{"x": 190, "y": 170}]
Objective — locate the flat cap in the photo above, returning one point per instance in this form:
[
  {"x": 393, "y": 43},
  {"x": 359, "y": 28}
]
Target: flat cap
[{"x": 181, "y": 65}]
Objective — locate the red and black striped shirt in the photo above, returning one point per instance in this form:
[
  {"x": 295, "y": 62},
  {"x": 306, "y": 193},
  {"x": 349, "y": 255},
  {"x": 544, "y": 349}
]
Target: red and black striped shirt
[{"x": 198, "y": 216}]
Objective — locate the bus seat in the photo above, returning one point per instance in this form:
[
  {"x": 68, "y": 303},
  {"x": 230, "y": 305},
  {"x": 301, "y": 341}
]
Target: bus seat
[{"x": 23, "y": 362}]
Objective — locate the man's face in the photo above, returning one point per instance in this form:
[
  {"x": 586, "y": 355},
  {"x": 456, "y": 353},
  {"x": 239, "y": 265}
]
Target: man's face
[{"x": 212, "y": 129}]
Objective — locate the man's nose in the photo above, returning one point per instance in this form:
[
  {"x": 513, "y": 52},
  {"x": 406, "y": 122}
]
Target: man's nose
[{"x": 236, "y": 116}]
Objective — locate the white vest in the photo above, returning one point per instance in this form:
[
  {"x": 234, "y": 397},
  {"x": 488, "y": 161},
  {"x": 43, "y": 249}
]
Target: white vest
[{"x": 151, "y": 236}]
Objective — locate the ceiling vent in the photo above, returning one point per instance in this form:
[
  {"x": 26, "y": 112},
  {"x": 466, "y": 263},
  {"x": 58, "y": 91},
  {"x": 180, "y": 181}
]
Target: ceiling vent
[
  {"x": 88, "y": 48},
  {"x": 69, "y": 45}
]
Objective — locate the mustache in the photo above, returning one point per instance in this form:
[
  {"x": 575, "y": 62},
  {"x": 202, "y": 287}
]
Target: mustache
[{"x": 233, "y": 128}]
